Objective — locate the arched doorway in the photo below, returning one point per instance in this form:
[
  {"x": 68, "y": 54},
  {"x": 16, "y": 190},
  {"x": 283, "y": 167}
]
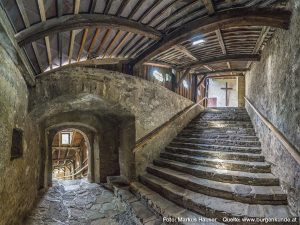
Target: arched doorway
[{"x": 70, "y": 150}]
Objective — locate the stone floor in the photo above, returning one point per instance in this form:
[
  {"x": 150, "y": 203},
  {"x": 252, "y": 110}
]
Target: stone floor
[{"x": 78, "y": 202}]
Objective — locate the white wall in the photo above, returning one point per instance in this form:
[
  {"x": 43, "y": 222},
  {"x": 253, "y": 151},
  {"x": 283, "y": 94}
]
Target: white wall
[{"x": 215, "y": 91}]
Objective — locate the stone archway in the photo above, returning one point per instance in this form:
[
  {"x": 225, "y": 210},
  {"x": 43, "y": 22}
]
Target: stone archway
[{"x": 110, "y": 131}]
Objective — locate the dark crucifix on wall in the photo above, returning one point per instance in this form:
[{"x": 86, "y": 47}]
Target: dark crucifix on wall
[{"x": 226, "y": 90}]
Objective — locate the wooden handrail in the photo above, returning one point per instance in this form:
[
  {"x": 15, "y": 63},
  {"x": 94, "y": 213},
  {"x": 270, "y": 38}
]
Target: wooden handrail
[
  {"x": 75, "y": 173},
  {"x": 284, "y": 141},
  {"x": 157, "y": 130}
]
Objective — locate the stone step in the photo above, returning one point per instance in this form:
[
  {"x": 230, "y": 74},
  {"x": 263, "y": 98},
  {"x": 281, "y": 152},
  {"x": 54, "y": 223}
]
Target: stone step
[
  {"x": 168, "y": 209},
  {"x": 226, "y": 142},
  {"x": 224, "y": 122},
  {"x": 219, "y": 136},
  {"x": 221, "y": 118},
  {"x": 227, "y": 176},
  {"x": 272, "y": 195},
  {"x": 213, "y": 207},
  {"x": 245, "y": 166},
  {"x": 216, "y": 147},
  {"x": 211, "y": 126},
  {"x": 219, "y": 131},
  {"x": 217, "y": 154}
]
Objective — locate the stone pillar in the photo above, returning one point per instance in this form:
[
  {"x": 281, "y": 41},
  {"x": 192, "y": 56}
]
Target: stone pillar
[{"x": 241, "y": 90}]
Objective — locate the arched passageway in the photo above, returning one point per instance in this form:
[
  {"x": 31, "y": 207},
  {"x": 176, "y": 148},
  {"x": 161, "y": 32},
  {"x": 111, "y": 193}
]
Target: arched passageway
[{"x": 70, "y": 150}]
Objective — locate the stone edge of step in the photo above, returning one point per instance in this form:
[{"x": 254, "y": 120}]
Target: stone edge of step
[
  {"x": 261, "y": 195},
  {"x": 163, "y": 206}
]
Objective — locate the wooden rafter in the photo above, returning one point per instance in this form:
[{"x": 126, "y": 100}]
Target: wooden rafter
[
  {"x": 112, "y": 42},
  {"x": 79, "y": 21},
  {"x": 47, "y": 40},
  {"x": 22, "y": 10},
  {"x": 263, "y": 34},
  {"x": 94, "y": 39},
  {"x": 121, "y": 43},
  {"x": 185, "y": 51},
  {"x": 209, "y": 5},
  {"x": 107, "y": 6},
  {"x": 149, "y": 10},
  {"x": 158, "y": 64},
  {"x": 122, "y": 7},
  {"x": 86, "y": 31},
  {"x": 136, "y": 8},
  {"x": 92, "y": 6},
  {"x": 89, "y": 62},
  {"x": 226, "y": 71},
  {"x": 230, "y": 18},
  {"x": 225, "y": 58},
  {"x": 72, "y": 39},
  {"x": 106, "y": 35}
]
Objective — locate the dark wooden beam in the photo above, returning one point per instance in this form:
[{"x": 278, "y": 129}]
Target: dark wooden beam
[
  {"x": 209, "y": 5},
  {"x": 263, "y": 34},
  {"x": 158, "y": 64},
  {"x": 231, "y": 18},
  {"x": 186, "y": 72},
  {"x": 47, "y": 40},
  {"x": 223, "y": 71},
  {"x": 224, "y": 58},
  {"x": 80, "y": 21}
]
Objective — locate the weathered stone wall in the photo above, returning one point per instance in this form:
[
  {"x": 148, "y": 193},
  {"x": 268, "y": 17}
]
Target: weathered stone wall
[
  {"x": 18, "y": 177},
  {"x": 273, "y": 86},
  {"x": 241, "y": 91},
  {"x": 151, "y": 104}
]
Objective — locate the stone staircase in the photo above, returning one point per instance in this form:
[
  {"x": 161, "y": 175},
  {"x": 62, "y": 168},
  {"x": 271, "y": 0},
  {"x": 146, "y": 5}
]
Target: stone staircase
[{"x": 214, "y": 169}]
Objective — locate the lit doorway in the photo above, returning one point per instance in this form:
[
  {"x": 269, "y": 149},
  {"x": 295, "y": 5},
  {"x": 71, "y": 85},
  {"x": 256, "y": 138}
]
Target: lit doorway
[{"x": 69, "y": 155}]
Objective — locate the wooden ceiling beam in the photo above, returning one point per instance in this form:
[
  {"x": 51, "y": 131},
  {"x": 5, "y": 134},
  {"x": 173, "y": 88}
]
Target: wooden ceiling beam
[
  {"x": 241, "y": 70},
  {"x": 89, "y": 62},
  {"x": 185, "y": 51},
  {"x": 158, "y": 64},
  {"x": 121, "y": 43},
  {"x": 106, "y": 35},
  {"x": 73, "y": 34},
  {"x": 263, "y": 34},
  {"x": 231, "y": 18},
  {"x": 25, "y": 18},
  {"x": 111, "y": 43},
  {"x": 86, "y": 31},
  {"x": 209, "y": 5},
  {"x": 47, "y": 40},
  {"x": 80, "y": 21},
  {"x": 224, "y": 58}
]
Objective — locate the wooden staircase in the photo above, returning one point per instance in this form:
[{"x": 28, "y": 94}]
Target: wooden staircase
[{"x": 214, "y": 168}]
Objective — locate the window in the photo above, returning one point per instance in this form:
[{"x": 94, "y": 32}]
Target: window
[
  {"x": 185, "y": 84},
  {"x": 168, "y": 78},
  {"x": 17, "y": 144},
  {"x": 158, "y": 76},
  {"x": 65, "y": 138}
]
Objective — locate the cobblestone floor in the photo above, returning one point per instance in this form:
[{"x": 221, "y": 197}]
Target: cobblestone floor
[{"x": 78, "y": 202}]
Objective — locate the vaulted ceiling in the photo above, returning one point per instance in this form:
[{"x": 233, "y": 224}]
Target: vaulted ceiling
[{"x": 55, "y": 33}]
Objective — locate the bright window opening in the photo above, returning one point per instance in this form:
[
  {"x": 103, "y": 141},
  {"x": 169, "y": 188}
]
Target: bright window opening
[
  {"x": 168, "y": 78},
  {"x": 185, "y": 84},
  {"x": 66, "y": 138},
  {"x": 158, "y": 76}
]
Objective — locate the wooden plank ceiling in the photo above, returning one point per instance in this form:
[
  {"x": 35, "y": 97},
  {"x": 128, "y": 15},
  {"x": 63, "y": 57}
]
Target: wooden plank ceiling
[{"x": 55, "y": 33}]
